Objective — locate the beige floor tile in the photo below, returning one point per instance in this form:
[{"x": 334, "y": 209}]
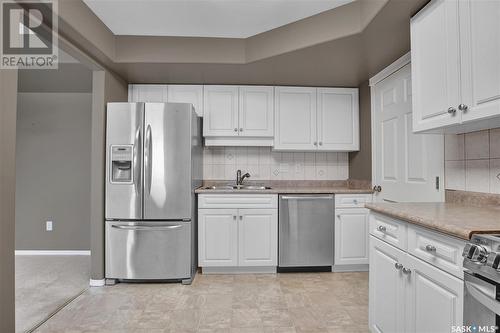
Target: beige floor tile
[{"x": 270, "y": 303}]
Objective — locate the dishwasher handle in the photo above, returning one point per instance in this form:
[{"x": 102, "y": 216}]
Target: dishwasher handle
[{"x": 307, "y": 197}]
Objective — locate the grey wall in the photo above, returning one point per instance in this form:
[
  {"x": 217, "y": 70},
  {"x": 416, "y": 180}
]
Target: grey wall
[
  {"x": 53, "y": 170},
  {"x": 8, "y": 93},
  {"x": 360, "y": 163}
]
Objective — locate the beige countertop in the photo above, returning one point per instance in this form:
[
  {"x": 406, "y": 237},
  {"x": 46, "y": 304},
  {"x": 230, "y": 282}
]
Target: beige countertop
[
  {"x": 451, "y": 218},
  {"x": 292, "y": 189}
]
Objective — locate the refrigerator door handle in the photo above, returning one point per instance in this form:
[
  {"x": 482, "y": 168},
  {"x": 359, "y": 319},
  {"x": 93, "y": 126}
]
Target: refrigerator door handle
[
  {"x": 136, "y": 167},
  {"x": 148, "y": 228},
  {"x": 148, "y": 160}
]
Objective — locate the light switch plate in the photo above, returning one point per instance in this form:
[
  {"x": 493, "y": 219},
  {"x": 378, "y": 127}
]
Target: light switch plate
[{"x": 48, "y": 225}]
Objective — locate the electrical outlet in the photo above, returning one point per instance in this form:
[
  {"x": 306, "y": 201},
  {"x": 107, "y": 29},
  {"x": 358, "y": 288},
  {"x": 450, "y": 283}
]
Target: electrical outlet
[{"x": 48, "y": 225}]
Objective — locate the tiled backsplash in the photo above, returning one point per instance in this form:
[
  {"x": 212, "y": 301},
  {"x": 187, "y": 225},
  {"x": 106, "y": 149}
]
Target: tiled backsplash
[
  {"x": 472, "y": 161},
  {"x": 221, "y": 163}
]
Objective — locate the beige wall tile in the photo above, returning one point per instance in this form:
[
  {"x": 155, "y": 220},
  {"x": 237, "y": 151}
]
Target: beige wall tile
[
  {"x": 454, "y": 147},
  {"x": 495, "y": 143},
  {"x": 455, "y": 175},
  {"x": 477, "y": 175},
  {"x": 495, "y": 176},
  {"x": 477, "y": 145}
]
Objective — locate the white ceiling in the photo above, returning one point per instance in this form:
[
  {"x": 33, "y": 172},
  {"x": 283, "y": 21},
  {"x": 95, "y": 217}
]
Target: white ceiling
[{"x": 204, "y": 18}]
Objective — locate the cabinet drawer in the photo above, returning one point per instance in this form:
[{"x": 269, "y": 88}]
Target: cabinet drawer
[
  {"x": 352, "y": 200},
  {"x": 238, "y": 201},
  {"x": 389, "y": 230},
  {"x": 437, "y": 249}
]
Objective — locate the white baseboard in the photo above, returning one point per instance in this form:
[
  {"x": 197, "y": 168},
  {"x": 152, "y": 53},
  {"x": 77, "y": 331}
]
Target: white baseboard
[
  {"x": 239, "y": 270},
  {"x": 52, "y": 253},
  {"x": 350, "y": 268},
  {"x": 97, "y": 283}
]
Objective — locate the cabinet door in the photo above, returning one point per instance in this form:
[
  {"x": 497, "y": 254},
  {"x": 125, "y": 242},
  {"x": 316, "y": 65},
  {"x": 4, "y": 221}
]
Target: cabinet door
[
  {"x": 218, "y": 237},
  {"x": 480, "y": 44},
  {"x": 256, "y": 112},
  {"x": 154, "y": 93},
  {"x": 435, "y": 57},
  {"x": 386, "y": 288},
  {"x": 351, "y": 236},
  {"x": 220, "y": 108},
  {"x": 258, "y": 237},
  {"x": 187, "y": 94},
  {"x": 295, "y": 111},
  {"x": 434, "y": 298},
  {"x": 338, "y": 119}
]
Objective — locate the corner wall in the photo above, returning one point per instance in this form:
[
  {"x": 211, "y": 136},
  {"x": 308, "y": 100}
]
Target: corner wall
[
  {"x": 105, "y": 88},
  {"x": 360, "y": 163},
  {"x": 8, "y": 105}
]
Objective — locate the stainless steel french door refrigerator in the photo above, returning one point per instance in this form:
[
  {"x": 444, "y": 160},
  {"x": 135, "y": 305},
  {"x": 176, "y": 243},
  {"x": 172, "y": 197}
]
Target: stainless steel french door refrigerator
[{"x": 153, "y": 166}]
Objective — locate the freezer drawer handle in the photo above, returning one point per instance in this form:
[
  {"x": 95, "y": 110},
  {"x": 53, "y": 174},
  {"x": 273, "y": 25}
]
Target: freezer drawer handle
[
  {"x": 306, "y": 197},
  {"x": 133, "y": 227}
]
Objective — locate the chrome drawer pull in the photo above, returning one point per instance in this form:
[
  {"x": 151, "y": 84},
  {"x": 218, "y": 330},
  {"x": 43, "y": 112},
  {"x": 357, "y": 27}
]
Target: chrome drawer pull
[
  {"x": 430, "y": 248},
  {"x": 398, "y": 266},
  {"x": 381, "y": 228}
]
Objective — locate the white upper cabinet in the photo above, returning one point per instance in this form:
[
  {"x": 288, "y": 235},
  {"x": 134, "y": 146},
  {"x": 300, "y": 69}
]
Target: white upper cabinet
[
  {"x": 220, "y": 107},
  {"x": 435, "y": 57},
  {"x": 480, "y": 38},
  {"x": 316, "y": 119},
  {"x": 338, "y": 119},
  {"x": 295, "y": 111},
  {"x": 153, "y": 93},
  {"x": 455, "y": 51},
  {"x": 187, "y": 94},
  {"x": 256, "y": 111}
]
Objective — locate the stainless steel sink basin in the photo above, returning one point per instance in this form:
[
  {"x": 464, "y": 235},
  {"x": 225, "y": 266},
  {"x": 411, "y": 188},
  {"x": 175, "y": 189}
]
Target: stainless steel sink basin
[{"x": 238, "y": 187}]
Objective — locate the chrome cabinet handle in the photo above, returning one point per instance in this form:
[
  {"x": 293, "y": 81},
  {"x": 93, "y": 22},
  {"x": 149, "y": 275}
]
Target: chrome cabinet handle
[
  {"x": 430, "y": 248},
  {"x": 315, "y": 143},
  {"x": 320, "y": 143},
  {"x": 398, "y": 266},
  {"x": 377, "y": 188},
  {"x": 241, "y": 217},
  {"x": 406, "y": 271},
  {"x": 381, "y": 228},
  {"x": 463, "y": 107},
  {"x": 235, "y": 129},
  {"x": 452, "y": 110},
  {"x": 234, "y": 217},
  {"x": 241, "y": 129}
]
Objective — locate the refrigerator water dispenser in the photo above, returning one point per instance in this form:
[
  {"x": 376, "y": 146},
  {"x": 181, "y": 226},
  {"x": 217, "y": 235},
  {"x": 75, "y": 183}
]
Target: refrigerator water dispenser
[{"x": 121, "y": 164}]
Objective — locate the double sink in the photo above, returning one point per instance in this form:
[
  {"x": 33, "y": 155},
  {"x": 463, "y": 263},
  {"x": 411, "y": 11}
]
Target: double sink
[{"x": 238, "y": 187}]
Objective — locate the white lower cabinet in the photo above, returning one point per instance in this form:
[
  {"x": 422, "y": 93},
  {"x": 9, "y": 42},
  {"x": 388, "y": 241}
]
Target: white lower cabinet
[
  {"x": 408, "y": 294},
  {"x": 351, "y": 237},
  {"x": 257, "y": 237},
  {"x": 386, "y": 288},
  {"x": 237, "y": 237},
  {"x": 434, "y": 299},
  {"x": 351, "y": 232},
  {"x": 218, "y": 237}
]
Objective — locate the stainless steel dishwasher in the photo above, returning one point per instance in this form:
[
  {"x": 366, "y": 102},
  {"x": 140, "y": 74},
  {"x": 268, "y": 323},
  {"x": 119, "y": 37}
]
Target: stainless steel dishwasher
[{"x": 306, "y": 224}]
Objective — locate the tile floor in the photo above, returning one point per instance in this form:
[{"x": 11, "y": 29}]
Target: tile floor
[
  {"x": 45, "y": 283},
  {"x": 281, "y": 303}
]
